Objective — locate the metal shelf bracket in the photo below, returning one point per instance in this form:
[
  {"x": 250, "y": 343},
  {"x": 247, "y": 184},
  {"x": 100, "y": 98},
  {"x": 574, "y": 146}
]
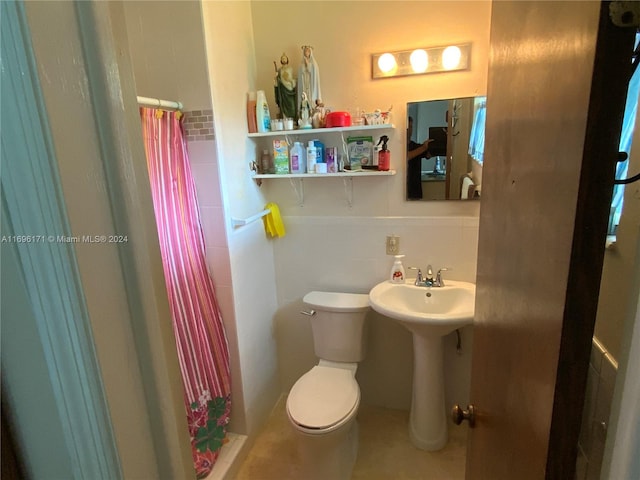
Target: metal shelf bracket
[
  {"x": 348, "y": 190},
  {"x": 298, "y": 189}
]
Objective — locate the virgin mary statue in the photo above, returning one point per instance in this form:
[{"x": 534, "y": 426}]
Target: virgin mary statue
[{"x": 308, "y": 77}]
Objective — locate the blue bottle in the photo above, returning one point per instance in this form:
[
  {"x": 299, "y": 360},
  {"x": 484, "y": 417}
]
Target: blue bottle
[{"x": 319, "y": 151}]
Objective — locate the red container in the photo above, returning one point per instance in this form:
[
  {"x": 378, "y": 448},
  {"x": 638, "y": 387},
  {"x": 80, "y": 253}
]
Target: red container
[{"x": 338, "y": 119}]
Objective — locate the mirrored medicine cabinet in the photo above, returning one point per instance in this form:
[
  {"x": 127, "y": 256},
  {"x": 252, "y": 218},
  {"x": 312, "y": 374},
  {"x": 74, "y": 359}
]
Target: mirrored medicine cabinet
[{"x": 444, "y": 148}]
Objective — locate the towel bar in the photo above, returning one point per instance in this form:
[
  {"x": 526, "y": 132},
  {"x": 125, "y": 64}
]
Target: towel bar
[{"x": 238, "y": 222}]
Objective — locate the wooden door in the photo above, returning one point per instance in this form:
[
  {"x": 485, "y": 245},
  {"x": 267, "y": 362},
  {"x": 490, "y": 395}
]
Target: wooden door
[{"x": 556, "y": 88}]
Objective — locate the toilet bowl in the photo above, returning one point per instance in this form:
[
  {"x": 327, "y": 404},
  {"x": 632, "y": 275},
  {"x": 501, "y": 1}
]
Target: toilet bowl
[
  {"x": 324, "y": 399},
  {"x": 323, "y": 404}
]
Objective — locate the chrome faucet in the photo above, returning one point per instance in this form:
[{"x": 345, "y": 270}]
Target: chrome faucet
[{"x": 428, "y": 280}]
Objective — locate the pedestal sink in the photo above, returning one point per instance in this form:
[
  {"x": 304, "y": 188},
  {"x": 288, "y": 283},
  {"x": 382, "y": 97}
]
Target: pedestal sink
[{"x": 429, "y": 313}]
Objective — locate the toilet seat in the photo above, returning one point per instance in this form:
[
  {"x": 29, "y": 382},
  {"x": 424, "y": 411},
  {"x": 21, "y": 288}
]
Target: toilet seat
[{"x": 323, "y": 397}]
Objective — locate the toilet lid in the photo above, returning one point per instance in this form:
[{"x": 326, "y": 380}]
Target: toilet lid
[{"x": 323, "y": 397}]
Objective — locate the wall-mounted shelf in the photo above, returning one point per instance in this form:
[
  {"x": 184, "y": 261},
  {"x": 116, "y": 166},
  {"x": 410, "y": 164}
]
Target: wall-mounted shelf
[
  {"x": 355, "y": 173},
  {"x": 296, "y": 180},
  {"x": 315, "y": 131}
]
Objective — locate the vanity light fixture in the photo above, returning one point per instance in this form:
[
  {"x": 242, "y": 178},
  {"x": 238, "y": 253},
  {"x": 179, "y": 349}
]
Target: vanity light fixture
[{"x": 418, "y": 61}]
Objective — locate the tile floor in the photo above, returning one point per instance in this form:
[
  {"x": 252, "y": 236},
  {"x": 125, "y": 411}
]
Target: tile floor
[{"x": 385, "y": 451}]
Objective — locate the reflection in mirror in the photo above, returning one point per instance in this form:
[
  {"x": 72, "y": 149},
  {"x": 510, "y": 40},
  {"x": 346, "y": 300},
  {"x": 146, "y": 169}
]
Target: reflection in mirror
[{"x": 445, "y": 146}]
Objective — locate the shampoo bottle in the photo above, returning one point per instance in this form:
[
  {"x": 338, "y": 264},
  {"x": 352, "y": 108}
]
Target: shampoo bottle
[
  {"x": 252, "y": 123},
  {"x": 384, "y": 155},
  {"x": 262, "y": 112},
  {"x": 298, "y": 159},
  {"x": 397, "y": 271},
  {"x": 311, "y": 157},
  {"x": 319, "y": 151}
]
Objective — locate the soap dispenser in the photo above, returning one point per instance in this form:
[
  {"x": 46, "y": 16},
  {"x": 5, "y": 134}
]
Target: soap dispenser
[{"x": 397, "y": 271}]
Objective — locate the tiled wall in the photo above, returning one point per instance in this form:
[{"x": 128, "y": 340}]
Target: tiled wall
[
  {"x": 348, "y": 254},
  {"x": 198, "y": 125},
  {"x": 204, "y": 168},
  {"x": 595, "y": 419}
]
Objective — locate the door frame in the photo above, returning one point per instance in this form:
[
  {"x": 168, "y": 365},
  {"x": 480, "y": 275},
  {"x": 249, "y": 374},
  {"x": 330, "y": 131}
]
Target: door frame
[
  {"x": 35, "y": 220},
  {"x": 142, "y": 337},
  {"x": 611, "y": 74}
]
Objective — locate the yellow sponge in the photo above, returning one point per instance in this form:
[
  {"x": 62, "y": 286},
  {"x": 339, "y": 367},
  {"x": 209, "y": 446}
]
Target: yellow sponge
[{"x": 273, "y": 221}]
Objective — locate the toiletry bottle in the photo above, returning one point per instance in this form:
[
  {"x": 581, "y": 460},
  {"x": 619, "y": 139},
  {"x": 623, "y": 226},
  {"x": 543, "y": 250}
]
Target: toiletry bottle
[
  {"x": 298, "y": 159},
  {"x": 319, "y": 151},
  {"x": 265, "y": 162},
  {"x": 397, "y": 271},
  {"x": 262, "y": 112},
  {"x": 311, "y": 157},
  {"x": 252, "y": 123},
  {"x": 375, "y": 157},
  {"x": 384, "y": 155}
]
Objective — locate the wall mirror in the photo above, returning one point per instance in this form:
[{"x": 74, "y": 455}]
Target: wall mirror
[{"x": 445, "y": 149}]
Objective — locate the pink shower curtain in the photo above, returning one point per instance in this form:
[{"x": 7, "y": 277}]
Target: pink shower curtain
[{"x": 197, "y": 323}]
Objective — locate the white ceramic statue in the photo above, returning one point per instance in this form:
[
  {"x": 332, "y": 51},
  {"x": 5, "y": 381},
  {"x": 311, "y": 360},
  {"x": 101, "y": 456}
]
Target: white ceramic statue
[
  {"x": 305, "y": 112},
  {"x": 308, "y": 77}
]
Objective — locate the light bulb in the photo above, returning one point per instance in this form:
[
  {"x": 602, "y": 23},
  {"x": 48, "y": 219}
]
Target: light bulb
[
  {"x": 419, "y": 61},
  {"x": 451, "y": 57},
  {"x": 387, "y": 62}
]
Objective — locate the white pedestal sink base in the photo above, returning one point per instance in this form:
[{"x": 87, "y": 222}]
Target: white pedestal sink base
[
  {"x": 429, "y": 314},
  {"x": 428, "y": 423}
]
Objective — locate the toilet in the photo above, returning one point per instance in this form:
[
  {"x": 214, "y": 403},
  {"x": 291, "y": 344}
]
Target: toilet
[{"x": 323, "y": 403}]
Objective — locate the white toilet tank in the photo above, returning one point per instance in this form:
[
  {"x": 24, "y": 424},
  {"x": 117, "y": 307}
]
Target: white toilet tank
[{"x": 338, "y": 325}]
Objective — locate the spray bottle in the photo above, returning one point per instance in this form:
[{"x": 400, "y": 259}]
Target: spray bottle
[{"x": 384, "y": 155}]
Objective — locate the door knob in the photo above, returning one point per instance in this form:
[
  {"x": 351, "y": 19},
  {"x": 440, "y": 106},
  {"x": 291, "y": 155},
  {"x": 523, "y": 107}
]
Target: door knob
[{"x": 458, "y": 415}]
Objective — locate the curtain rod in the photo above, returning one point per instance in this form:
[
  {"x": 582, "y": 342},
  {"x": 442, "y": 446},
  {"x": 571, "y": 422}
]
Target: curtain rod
[{"x": 156, "y": 102}]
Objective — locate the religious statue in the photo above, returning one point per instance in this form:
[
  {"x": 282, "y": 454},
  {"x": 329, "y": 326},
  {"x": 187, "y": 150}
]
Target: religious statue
[
  {"x": 305, "y": 112},
  {"x": 285, "y": 88},
  {"x": 318, "y": 119},
  {"x": 308, "y": 76}
]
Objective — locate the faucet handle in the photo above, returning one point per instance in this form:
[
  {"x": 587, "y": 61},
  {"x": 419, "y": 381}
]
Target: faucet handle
[
  {"x": 439, "y": 281},
  {"x": 418, "y": 276}
]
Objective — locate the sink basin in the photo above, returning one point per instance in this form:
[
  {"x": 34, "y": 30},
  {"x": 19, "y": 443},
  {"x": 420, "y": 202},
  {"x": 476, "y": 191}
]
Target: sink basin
[
  {"x": 423, "y": 310},
  {"x": 429, "y": 314}
]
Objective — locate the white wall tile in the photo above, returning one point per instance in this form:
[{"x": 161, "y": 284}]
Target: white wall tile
[
  {"x": 213, "y": 226},
  {"x": 202, "y": 152},
  {"x": 597, "y": 409},
  {"x": 205, "y": 176},
  {"x": 348, "y": 254},
  {"x": 219, "y": 266}
]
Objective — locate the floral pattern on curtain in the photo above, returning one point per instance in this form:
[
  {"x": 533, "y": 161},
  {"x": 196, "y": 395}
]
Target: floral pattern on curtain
[{"x": 197, "y": 324}]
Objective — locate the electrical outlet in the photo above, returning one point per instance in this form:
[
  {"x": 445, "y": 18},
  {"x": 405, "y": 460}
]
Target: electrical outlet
[{"x": 393, "y": 245}]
